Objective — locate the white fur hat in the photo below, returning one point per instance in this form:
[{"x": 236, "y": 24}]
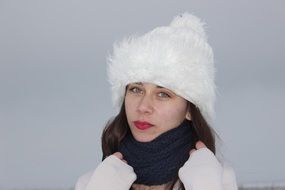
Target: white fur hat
[{"x": 176, "y": 57}]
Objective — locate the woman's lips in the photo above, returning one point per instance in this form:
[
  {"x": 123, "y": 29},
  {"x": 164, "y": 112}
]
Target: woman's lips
[{"x": 142, "y": 125}]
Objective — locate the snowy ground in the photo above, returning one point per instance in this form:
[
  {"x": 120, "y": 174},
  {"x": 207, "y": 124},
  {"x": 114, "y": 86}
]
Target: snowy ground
[{"x": 262, "y": 187}]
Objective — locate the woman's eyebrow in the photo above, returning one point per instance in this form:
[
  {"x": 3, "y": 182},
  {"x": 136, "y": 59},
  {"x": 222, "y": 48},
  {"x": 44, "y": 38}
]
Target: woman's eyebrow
[
  {"x": 157, "y": 86},
  {"x": 139, "y": 83}
]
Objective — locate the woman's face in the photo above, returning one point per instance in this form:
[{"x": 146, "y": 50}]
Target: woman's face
[{"x": 152, "y": 110}]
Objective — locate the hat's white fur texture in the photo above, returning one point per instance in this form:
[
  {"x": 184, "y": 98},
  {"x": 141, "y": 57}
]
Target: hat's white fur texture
[{"x": 176, "y": 57}]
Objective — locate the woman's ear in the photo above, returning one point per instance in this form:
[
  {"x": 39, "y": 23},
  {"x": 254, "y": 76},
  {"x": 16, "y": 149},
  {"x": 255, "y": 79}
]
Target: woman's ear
[{"x": 188, "y": 116}]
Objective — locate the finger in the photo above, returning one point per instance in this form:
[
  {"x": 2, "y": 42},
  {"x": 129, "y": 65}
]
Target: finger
[
  {"x": 200, "y": 144},
  {"x": 191, "y": 151},
  {"x": 118, "y": 155},
  {"x": 125, "y": 161}
]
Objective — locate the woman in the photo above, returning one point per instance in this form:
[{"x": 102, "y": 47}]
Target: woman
[{"x": 163, "y": 84}]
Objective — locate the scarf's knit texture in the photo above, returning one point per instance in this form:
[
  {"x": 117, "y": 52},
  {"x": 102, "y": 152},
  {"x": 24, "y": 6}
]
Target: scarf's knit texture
[{"x": 158, "y": 161}]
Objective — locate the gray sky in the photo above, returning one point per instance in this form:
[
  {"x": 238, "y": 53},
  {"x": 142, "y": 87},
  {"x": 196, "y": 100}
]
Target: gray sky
[{"x": 55, "y": 100}]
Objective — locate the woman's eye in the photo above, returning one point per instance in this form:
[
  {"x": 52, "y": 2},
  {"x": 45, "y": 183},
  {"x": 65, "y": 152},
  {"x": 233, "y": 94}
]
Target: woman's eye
[
  {"x": 163, "y": 95},
  {"x": 135, "y": 90}
]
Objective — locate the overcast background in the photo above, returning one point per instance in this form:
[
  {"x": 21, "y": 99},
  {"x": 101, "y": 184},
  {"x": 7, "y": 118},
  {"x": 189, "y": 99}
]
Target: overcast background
[{"x": 55, "y": 99}]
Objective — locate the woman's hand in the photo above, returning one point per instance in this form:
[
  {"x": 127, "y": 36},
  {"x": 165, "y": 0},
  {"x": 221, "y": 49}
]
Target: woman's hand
[
  {"x": 198, "y": 146},
  {"x": 121, "y": 174},
  {"x": 120, "y": 156},
  {"x": 202, "y": 170}
]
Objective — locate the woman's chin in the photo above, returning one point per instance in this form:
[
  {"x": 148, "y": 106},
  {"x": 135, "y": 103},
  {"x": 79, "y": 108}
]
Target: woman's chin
[{"x": 143, "y": 137}]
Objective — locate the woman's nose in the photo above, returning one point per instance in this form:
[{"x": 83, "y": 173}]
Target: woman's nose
[{"x": 145, "y": 105}]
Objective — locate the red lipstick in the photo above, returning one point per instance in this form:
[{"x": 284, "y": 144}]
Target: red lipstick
[{"x": 142, "y": 125}]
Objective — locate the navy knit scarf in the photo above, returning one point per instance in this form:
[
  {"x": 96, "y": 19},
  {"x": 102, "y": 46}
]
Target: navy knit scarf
[{"x": 158, "y": 161}]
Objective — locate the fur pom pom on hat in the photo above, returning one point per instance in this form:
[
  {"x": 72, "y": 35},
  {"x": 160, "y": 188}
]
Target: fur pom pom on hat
[{"x": 177, "y": 57}]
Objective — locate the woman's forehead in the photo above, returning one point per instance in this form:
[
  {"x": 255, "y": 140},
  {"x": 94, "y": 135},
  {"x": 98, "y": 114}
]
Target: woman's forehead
[{"x": 147, "y": 84}]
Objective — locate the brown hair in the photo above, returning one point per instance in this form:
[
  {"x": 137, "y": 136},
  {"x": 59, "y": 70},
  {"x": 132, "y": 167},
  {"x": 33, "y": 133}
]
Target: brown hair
[{"x": 117, "y": 128}]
